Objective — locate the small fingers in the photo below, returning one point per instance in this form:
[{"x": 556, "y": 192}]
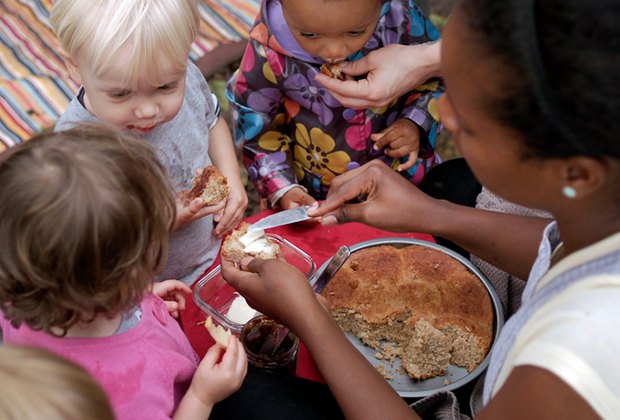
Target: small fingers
[
  {"x": 212, "y": 355},
  {"x": 413, "y": 159},
  {"x": 196, "y": 205},
  {"x": 179, "y": 297},
  {"x": 215, "y": 208},
  {"x": 380, "y": 140},
  {"x": 398, "y": 151},
  {"x": 228, "y": 222},
  {"x": 172, "y": 307},
  {"x": 241, "y": 359}
]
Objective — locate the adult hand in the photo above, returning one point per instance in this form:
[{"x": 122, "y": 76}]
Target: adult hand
[
  {"x": 270, "y": 286},
  {"x": 390, "y": 71},
  {"x": 388, "y": 201}
]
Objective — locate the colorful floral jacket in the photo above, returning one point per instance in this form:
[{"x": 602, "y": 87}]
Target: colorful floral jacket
[{"x": 294, "y": 132}]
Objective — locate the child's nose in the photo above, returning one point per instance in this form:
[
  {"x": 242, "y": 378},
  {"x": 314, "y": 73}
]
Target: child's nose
[
  {"x": 146, "y": 109},
  {"x": 334, "y": 51}
]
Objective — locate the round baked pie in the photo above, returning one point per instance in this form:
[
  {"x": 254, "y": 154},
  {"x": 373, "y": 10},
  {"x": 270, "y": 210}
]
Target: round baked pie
[{"x": 414, "y": 302}]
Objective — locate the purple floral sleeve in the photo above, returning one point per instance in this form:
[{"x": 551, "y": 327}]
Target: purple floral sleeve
[{"x": 259, "y": 116}]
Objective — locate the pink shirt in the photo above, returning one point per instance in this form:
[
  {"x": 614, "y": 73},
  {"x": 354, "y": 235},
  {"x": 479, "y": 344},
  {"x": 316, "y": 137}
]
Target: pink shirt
[{"x": 145, "y": 371}]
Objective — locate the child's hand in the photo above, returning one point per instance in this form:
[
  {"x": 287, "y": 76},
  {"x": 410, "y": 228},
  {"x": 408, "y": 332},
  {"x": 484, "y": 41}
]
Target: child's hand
[
  {"x": 295, "y": 197},
  {"x": 400, "y": 139},
  {"x": 215, "y": 381},
  {"x": 173, "y": 293},
  {"x": 231, "y": 215},
  {"x": 190, "y": 210}
]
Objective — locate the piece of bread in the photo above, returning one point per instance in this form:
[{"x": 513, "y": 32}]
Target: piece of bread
[
  {"x": 219, "y": 334},
  {"x": 257, "y": 245},
  {"x": 332, "y": 70},
  {"x": 211, "y": 186},
  {"x": 429, "y": 305}
]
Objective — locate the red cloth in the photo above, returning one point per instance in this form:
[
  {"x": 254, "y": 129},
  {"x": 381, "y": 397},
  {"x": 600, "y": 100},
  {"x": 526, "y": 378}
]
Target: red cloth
[{"x": 317, "y": 241}]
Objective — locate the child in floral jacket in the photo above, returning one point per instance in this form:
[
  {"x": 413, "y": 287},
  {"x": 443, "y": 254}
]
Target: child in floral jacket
[{"x": 295, "y": 136}]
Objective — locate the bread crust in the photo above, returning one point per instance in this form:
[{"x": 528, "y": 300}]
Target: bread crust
[
  {"x": 429, "y": 304},
  {"x": 211, "y": 186},
  {"x": 233, "y": 249}
]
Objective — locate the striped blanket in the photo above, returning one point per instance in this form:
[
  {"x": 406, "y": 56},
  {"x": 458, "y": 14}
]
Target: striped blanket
[{"x": 34, "y": 85}]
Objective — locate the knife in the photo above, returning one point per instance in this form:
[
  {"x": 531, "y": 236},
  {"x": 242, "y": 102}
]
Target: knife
[
  {"x": 281, "y": 218},
  {"x": 332, "y": 267}
]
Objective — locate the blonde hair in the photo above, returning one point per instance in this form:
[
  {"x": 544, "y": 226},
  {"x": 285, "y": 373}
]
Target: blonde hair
[
  {"x": 36, "y": 384},
  {"x": 84, "y": 226},
  {"x": 151, "y": 29}
]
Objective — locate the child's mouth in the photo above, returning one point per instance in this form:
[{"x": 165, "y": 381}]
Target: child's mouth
[{"x": 141, "y": 130}]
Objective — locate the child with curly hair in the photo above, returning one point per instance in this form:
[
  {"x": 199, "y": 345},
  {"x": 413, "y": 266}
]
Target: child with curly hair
[{"x": 84, "y": 229}]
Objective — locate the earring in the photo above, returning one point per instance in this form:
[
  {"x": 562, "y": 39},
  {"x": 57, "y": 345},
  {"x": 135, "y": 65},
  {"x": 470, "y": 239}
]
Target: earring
[{"x": 569, "y": 192}]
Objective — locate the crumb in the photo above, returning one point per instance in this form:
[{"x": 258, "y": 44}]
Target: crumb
[
  {"x": 381, "y": 369},
  {"x": 333, "y": 71}
]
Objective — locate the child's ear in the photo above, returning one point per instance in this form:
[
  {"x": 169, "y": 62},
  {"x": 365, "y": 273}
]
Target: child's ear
[{"x": 72, "y": 67}]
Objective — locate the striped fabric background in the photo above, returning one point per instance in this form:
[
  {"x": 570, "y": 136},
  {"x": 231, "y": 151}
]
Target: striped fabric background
[{"x": 34, "y": 85}]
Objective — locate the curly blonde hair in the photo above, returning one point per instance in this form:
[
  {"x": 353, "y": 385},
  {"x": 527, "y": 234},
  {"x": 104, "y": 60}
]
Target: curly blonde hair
[{"x": 84, "y": 225}]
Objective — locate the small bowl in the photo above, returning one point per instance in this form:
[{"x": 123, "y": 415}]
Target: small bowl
[
  {"x": 269, "y": 345},
  {"x": 214, "y": 296}
]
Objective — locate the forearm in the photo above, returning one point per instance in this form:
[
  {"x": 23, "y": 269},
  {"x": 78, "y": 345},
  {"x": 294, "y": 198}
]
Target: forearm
[
  {"x": 222, "y": 151},
  {"x": 191, "y": 407},
  {"x": 424, "y": 61},
  {"x": 507, "y": 241},
  {"x": 361, "y": 392}
]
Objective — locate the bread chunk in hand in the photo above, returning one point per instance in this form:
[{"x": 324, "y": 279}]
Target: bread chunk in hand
[
  {"x": 241, "y": 243},
  {"x": 332, "y": 70},
  {"x": 211, "y": 186}
]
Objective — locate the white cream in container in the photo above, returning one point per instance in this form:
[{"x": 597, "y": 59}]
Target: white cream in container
[{"x": 240, "y": 312}]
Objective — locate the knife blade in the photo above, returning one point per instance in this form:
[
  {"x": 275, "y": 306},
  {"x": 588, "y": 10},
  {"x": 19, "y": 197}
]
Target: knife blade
[{"x": 281, "y": 218}]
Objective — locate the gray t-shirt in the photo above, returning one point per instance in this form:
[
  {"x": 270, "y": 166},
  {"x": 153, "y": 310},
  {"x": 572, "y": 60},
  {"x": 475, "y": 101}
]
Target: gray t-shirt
[{"x": 182, "y": 146}]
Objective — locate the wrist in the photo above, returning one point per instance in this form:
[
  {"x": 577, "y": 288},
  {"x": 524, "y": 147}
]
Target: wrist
[
  {"x": 275, "y": 198},
  {"x": 443, "y": 216},
  {"x": 235, "y": 183},
  {"x": 428, "y": 59},
  {"x": 315, "y": 322},
  {"x": 192, "y": 406}
]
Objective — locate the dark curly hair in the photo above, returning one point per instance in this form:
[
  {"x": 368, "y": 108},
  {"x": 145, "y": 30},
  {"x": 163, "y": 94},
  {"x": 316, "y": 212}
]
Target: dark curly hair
[
  {"x": 558, "y": 59},
  {"x": 84, "y": 226}
]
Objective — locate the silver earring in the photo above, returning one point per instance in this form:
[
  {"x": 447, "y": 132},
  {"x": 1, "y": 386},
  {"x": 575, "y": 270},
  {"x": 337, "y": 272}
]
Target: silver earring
[{"x": 569, "y": 192}]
